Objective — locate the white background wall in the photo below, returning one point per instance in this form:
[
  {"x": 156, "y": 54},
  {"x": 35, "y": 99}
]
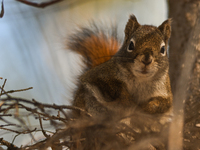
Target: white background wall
[{"x": 32, "y": 41}]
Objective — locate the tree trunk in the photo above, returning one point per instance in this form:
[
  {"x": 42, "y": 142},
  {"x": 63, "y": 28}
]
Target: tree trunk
[{"x": 184, "y": 56}]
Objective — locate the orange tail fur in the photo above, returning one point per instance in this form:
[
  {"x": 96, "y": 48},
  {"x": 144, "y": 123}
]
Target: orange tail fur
[{"x": 94, "y": 44}]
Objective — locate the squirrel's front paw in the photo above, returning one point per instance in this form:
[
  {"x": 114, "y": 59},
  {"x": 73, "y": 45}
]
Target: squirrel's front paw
[
  {"x": 156, "y": 105},
  {"x": 151, "y": 107}
]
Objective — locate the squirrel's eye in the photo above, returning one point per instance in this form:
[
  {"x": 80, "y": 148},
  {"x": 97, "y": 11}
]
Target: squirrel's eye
[
  {"x": 131, "y": 47},
  {"x": 162, "y": 50}
]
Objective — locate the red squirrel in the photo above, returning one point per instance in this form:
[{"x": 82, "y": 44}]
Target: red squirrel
[{"x": 121, "y": 77}]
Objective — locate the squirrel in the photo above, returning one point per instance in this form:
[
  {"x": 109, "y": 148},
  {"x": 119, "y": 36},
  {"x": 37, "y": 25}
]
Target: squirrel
[{"x": 121, "y": 77}]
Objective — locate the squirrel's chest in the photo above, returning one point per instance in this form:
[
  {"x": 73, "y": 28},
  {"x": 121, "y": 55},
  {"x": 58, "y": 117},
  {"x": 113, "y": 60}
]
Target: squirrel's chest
[{"x": 143, "y": 91}]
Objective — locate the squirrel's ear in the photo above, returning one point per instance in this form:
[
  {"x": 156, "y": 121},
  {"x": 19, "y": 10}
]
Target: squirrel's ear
[
  {"x": 131, "y": 26},
  {"x": 165, "y": 28}
]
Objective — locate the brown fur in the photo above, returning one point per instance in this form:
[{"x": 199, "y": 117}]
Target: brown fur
[{"x": 101, "y": 50}]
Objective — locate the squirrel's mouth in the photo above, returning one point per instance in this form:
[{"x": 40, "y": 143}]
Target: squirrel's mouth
[{"x": 144, "y": 71}]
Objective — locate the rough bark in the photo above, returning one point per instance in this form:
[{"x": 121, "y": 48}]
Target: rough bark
[
  {"x": 184, "y": 15},
  {"x": 185, "y": 71}
]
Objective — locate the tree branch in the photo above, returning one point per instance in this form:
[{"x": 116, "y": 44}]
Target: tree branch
[
  {"x": 40, "y": 5},
  {"x": 2, "y": 11}
]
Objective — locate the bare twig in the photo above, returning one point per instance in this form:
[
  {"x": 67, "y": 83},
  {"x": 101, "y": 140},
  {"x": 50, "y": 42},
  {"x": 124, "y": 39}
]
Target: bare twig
[
  {"x": 5, "y": 121},
  {"x": 9, "y": 145},
  {"x": 2, "y": 12},
  {"x": 18, "y": 132},
  {"x": 3, "y": 86},
  {"x": 5, "y": 115},
  {"x": 41, "y": 106},
  {"x": 44, "y": 133},
  {"x": 7, "y": 125},
  {"x": 39, "y": 5},
  {"x": 14, "y": 91},
  {"x": 39, "y": 144},
  {"x": 16, "y": 110},
  {"x": 43, "y": 114}
]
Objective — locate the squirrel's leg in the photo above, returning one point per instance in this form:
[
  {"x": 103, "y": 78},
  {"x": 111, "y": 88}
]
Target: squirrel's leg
[{"x": 157, "y": 105}]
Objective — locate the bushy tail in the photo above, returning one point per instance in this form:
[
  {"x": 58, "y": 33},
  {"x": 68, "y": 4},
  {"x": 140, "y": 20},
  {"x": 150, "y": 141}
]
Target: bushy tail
[{"x": 96, "y": 44}]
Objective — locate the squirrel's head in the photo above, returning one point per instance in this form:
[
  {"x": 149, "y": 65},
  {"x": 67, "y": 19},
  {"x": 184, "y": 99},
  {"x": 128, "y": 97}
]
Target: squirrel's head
[{"x": 145, "y": 47}]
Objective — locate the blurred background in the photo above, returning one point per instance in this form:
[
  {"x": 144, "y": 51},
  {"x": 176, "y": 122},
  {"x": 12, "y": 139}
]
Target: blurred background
[
  {"x": 32, "y": 41},
  {"x": 33, "y": 54}
]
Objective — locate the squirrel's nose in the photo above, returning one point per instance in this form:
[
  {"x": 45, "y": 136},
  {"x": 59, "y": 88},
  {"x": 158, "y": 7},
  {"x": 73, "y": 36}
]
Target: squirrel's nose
[{"x": 147, "y": 59}]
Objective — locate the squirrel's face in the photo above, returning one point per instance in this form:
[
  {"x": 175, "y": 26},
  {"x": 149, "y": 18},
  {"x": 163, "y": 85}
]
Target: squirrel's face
[
  {"x": 145, "y": 47},
  {"x": 149, "y": 51}
]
